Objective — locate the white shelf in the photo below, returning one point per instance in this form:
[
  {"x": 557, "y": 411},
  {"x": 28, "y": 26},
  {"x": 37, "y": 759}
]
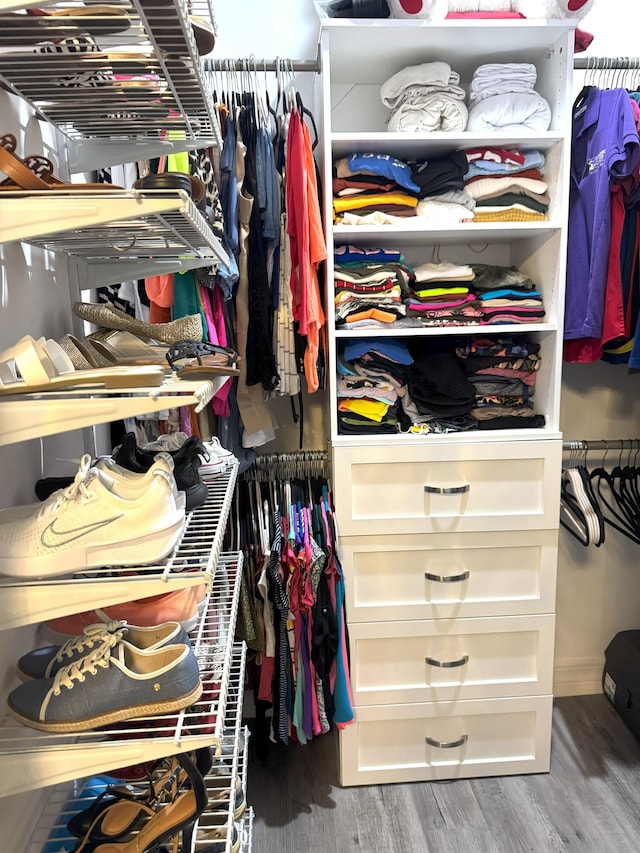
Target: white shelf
[
  {"x": 172, "y": 94},
  {"x": 192, "y": 563},
  {"x": 431, "y": 331},
  {"x": 471, "y": 437},
  {"x": 416, "y": 145},
  {"x": 247, "y": 831},
  {"x": 391, "y": 44},
  {"x": 28, "y": 416},
  {"x": 114, "y": 226},
  {"x": 30, "y": 759},
  {"x": 464, "y": 232}
]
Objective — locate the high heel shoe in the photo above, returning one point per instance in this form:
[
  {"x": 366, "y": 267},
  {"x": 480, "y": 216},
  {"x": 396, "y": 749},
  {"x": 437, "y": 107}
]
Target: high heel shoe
[{"x": 187, "y": 803}]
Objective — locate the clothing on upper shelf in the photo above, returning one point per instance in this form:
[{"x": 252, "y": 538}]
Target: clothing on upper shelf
[
  {"x": 502, "y": 98},
  {"x": 425, "y": 98},
  {"x": 507, "y": 186}
]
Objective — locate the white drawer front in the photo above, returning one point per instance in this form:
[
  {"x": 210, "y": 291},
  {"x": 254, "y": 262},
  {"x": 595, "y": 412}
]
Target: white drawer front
[
  {"x": 496, "y": 737},
  {"x": 449, "y": 575},
  {"x": 447, "y": 659},
  {"x": 447, "y": 488}
]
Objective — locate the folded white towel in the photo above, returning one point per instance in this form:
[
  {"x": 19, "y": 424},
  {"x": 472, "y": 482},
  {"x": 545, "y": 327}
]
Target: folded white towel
[
  {"x": 506, "y": 69},
  {"x": 426, "y": 74},
  {"x": 444, "y": 270},
  {"x": 437, "y": 112},
  {"x": 511, "y": 112}
]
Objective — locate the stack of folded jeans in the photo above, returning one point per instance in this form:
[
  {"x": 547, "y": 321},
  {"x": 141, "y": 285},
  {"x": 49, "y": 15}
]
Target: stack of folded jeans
[
  {"x": 502, "y": 98},
  {"x": 371, "y": 373},
  {"x": 503, "y": 373},
  {"x": 425, "y": 98}
]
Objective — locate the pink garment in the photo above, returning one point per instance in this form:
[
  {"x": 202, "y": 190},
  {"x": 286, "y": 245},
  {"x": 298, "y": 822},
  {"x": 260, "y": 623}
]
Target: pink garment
[
  {"x": 267, "y": 668},
  {"x": 220, "y": 402},
  {"x": 480, "y": 15}
]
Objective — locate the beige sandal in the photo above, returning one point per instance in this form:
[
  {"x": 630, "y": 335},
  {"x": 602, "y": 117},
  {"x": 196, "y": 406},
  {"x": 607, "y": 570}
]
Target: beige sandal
[{"x": 32, "y": 366}]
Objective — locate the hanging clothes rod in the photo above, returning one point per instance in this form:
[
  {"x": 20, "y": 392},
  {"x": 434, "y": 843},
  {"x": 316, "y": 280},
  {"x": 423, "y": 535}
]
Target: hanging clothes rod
[
  {"x": 298, "y": 66},
  {"x": 298, "y": 464},
  {"x": 604, "y": 444},
  {"x": 606, "y": 63}
]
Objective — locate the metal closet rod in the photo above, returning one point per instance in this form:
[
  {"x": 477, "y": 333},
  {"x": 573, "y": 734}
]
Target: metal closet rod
[
  {"x": 604, "y": 444},
  {"x": 296, "y": 65},
  {"x": 592, "y": 63},
  {"x": 606, "y": 63}
]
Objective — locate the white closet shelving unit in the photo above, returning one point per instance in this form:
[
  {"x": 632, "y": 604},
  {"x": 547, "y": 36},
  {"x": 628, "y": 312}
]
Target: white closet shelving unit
[
  {"x": 449, "y": 543},
  {"x": 153, "y": 98}
]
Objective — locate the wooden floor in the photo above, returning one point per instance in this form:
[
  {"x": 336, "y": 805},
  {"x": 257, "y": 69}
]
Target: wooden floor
[{"x": 588, "y": 803}]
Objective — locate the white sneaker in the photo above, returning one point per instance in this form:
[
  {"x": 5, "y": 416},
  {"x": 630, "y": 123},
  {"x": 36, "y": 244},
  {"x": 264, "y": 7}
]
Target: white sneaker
[
  {"x": 99, "y": 520},
  {"x": 127, "y": 484},
  {"x": 219, "y": 459}
]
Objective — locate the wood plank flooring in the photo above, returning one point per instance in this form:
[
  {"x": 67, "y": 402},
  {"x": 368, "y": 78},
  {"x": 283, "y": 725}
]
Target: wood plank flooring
[{"x": 588, "y": 803}]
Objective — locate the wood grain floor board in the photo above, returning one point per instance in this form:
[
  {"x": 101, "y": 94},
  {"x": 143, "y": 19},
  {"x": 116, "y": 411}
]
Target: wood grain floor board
[{"x": 588, "y": 803}]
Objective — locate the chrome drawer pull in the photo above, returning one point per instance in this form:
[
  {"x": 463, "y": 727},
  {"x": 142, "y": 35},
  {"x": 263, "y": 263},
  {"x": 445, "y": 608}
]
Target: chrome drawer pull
[
  {"x": 447, "y": 664},
  {"x": 447, "y": 490},
  {"x": 443, "y": 744},
  {"x": 463, "y": 576}
]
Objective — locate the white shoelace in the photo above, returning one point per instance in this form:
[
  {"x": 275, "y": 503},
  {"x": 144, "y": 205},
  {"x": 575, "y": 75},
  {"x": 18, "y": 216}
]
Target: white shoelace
[
  {"x": 93, "y": 634},
  {"x": 78, "y": 671},
  {"x": 77, "y": 489}
]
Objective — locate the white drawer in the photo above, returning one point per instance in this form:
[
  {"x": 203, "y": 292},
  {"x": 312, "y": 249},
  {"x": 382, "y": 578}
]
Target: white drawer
[
  {"x": 497, "y": 737},
  {"x": 449, "y": 575},
  {"x": 447, "y": 487},
  {"x": 447, "y": 659}
]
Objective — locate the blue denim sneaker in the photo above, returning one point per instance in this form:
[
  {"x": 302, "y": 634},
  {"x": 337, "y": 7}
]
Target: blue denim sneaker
[
  {"x": 115, "y": 682},
  {"x": 45, "y": 662}
]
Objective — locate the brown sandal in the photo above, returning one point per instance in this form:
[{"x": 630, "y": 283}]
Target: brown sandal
[{"x": 35, "y": 172}]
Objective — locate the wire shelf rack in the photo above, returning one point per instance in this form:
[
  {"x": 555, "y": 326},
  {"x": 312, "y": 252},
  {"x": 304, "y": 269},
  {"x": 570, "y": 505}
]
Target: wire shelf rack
[
  {"x": 66, "y": 800},
  {"x": 133, "y": 72},
  {"x": 111, "y": 225},
  {"x": 31, "y": 759},
  {"x": 192, "y": 564}
]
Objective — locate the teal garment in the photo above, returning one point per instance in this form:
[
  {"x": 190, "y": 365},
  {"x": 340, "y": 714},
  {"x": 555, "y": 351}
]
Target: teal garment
[
  {"x": 186, "y": 299},
  {"x": 298, "y": 705},
  {"x": 343, "y": 711}
]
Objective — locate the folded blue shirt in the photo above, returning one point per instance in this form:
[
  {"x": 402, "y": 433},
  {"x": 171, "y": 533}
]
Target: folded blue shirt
[
  {"x": 392, "y": 349},
  {"x": 385, "y": 165}
]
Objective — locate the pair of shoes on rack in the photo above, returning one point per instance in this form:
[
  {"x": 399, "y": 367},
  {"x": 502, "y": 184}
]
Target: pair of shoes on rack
[
  {"x": 109, "y": 347},
  {"x": 106, "y": 517},
  {"x": 108, "y": 317},
  {"x": 177, "y": 798},
  {"x": 214, "y": 458},
  {"x": 34, "y": 365},
  {"x": 182, "y": 606},
  {"x": 116, "y": 681}
]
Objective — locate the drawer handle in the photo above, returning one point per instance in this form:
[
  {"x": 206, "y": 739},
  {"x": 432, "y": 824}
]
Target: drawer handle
[
  {"x": 447, "y": 664},
  {"x": 444, "y": 744},
  {"x": 463, "y": 576},
  {"x": 447, "y": 490}
]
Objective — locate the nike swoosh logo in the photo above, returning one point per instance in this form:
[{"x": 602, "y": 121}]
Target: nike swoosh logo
[{"x": 52, "y": 538}]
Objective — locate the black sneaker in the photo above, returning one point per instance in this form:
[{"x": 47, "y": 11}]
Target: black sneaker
[{"x": 186, "y": 462}]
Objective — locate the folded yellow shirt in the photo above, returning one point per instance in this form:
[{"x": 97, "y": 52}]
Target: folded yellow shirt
[
  {"x": 442, "y": 291},
  {"x": 372, "y": 409},
  {"x": 354, "y": 202}
]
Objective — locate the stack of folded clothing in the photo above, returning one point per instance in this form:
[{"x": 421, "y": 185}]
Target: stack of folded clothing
[
  {"x": 440, "y": 295},
  {"x": 425, "y": 98},
  {"x": 371, "y": 374},
  {"x": 507, "y": 185},
  {"x": 441, "y": 182},
  {"x": 439, "y": 397},
  {"x": 369, "y": 286},
  {"x": 503, "y": 373},
  {"x": 366, "y": 183},
  {"x": 502, "y": 98},
  {"x": 506, "y": 295}
]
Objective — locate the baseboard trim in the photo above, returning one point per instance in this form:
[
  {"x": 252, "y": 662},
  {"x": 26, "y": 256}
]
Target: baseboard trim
[{"x": 577, "y": 676}]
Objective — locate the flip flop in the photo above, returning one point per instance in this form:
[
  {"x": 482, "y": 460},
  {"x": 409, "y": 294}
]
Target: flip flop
[
  {"x": 192, "y": 359},
  {"x": 40, "y": 25},
  {"x": 32, "y": 366}
]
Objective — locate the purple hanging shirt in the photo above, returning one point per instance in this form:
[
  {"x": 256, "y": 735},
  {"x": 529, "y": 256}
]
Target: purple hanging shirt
[{"x": 605, "y": 148}]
